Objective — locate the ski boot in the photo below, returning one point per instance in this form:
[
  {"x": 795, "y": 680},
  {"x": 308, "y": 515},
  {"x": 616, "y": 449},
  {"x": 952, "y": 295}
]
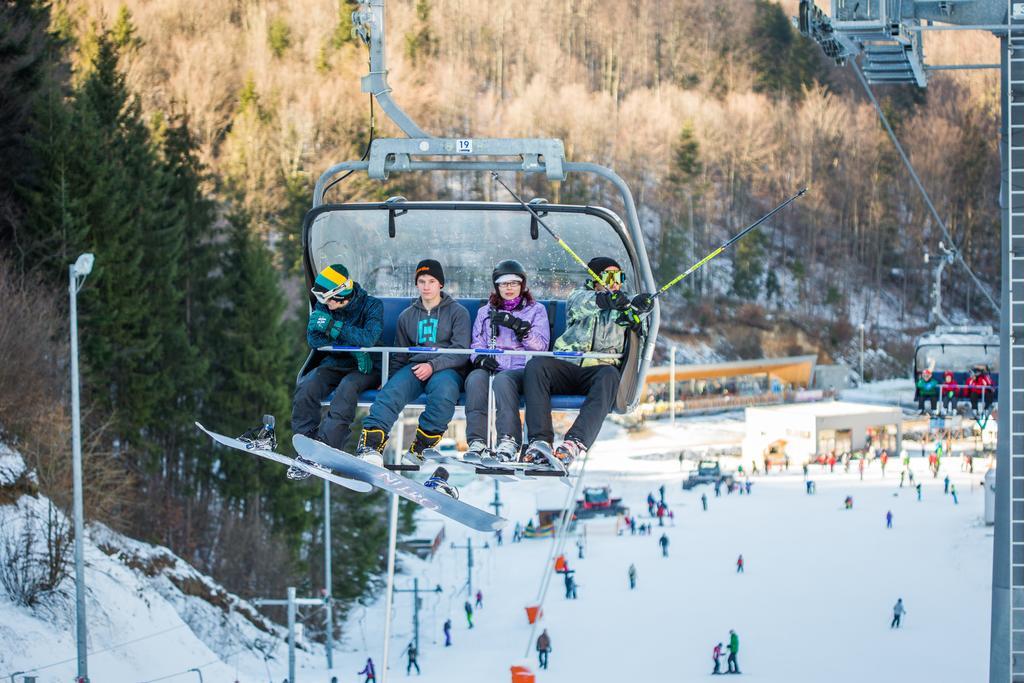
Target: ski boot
[
  {"x": 567, "y": 452},
  {"x": 262, "y": 438},
  {"x": 439, "y": 482},
  {"x": 371, "y": 446},
  {"x": 507, "y": 450},
  {"x": 423, "y": 442},
  {"x": 476, "y": 452},
  {"x": 537, "y": 454}
]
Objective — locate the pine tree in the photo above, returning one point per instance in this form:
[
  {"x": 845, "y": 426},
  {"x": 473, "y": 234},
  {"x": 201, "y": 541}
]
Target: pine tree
[
  {"x": 677, "y": 235},
  {"x": 252, "y": 370},
  {"x": 748, "y": 266}
]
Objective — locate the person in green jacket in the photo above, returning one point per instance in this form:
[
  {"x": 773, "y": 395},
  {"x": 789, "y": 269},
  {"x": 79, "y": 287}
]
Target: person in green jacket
[
  {"x": 927, "y": 390},
  {"x": 734, "y": 648}
]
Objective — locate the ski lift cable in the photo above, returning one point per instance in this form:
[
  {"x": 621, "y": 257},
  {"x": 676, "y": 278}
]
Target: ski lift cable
[
  {"x": 920, "y": 186},
  {"x": 115, "y": 646},
  {"x": 195, "y": 668},
  {"x": 558, "y": 548}
]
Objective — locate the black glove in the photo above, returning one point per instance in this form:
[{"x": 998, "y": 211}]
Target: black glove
[
  {"x": 518, "y": 326},
  {"x": 630, "y": 318},
  {"x": 488, "y": 363},
  {"x": 616, "y": 301},
  {"x": 644, "y": 303}
]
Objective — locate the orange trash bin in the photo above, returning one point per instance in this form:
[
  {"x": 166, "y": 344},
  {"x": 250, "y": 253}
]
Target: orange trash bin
[{"x": 521, "y": 674}]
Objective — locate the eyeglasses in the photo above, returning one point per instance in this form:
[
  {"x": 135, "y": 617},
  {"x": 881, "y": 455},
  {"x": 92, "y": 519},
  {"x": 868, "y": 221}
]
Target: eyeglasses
[{"x": 509, "y": 285}]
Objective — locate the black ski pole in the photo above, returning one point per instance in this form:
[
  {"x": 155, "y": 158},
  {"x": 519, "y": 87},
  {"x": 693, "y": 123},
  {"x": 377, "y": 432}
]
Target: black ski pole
[
  {"x": 561, "y": 242},
  {"x": 725, "y": 246}
]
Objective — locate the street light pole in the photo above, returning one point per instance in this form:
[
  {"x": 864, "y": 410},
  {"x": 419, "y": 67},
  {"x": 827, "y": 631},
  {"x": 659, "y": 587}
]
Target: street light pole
[
  {"x": 328, "y": 579},
  {"x": 79, "y": 269}
]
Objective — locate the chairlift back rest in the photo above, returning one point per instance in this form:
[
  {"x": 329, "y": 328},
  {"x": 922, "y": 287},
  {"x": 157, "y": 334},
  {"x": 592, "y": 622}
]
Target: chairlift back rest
[{"x": 393, "y": 307}]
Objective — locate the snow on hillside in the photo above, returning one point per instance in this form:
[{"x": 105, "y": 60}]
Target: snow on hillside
[
  {"x": 815, "y": 599},
  {"x": 150, "y": 614}
]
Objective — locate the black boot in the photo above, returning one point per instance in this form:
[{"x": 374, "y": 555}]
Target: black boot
[
  {"x": 371, "y": 446},
  {"x": 422, "y": 442},
  {"x": 439, "y": 481}
]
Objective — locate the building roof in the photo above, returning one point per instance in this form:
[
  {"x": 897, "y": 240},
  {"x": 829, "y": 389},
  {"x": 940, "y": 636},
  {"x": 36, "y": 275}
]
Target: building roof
[{"x": 796, "y": 370}]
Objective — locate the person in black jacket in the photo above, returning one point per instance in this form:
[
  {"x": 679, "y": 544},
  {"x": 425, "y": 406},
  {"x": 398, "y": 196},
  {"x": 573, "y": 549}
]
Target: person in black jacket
[{"x": 344, "y": 314}]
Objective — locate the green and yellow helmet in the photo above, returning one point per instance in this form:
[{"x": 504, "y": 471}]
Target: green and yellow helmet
[{"x": 333, "y": 282}]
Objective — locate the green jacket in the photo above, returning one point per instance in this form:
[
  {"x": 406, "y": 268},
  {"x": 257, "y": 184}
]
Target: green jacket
[
  {"x": 590, "y": 329},
  {"x": 734, "y": 644},
  {"x": 927, "y": 387}
]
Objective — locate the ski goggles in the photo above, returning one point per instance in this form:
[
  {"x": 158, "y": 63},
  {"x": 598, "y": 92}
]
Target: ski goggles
[
  {"x": 612, "y": 277},
  {"x": 341, "y": 293},
  {"x": 330, "y": 284}
]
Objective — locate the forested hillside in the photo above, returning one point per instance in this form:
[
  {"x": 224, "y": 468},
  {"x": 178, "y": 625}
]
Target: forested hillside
[{"x": 180, "y": 142}]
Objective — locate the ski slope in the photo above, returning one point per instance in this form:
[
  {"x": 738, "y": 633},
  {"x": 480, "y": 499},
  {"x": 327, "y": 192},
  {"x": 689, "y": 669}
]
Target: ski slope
[{"x": 815, "y": 600}]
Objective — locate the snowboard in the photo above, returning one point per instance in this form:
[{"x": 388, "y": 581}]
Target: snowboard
[
  {"x": 463, "y": 464},
  {"x": 350, "y": 465},
  {"x": 354, "y": 484}
]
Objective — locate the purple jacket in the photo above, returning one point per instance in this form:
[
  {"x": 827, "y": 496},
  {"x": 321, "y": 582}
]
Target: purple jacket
[{"x": 536, "y": 340}]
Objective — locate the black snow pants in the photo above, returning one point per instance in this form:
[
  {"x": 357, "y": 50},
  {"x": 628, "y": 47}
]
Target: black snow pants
[
  {"x": 546, "y": 376},
  {"x": 347, "y": 384}
]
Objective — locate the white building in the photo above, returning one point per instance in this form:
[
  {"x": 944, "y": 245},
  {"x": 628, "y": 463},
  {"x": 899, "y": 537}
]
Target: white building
[{"x": 809, "y": 429}]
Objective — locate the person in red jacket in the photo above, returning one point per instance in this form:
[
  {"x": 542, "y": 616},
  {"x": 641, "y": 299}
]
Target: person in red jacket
[
  {"x": 950, "y": 393},
  {"x": 716, "y": 655},
  {"x": 981, "y": 388}
]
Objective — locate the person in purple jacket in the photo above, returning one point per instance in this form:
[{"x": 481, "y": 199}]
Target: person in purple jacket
[{"x": 512, "y": 321}]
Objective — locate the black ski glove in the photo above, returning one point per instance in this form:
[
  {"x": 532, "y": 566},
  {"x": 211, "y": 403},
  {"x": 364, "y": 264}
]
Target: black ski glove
[
  {"x": 644, "y": 303},
  {"x": 488, "y": 363},
  {"x": 518, "y": 326},
  {"x": 630, "y": 319},
  {"x": 615, "y": 301}
]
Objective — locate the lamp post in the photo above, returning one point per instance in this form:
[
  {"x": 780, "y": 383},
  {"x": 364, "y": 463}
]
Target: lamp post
[{"x": 77, "y": 273}]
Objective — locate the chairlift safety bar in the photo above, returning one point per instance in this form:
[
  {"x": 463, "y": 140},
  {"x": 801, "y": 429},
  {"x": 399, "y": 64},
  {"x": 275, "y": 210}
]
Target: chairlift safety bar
[{"x": 466, "y": 352}]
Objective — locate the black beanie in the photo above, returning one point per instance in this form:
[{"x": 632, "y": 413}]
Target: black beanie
[
  {"x": 429, "y": 266},
  {"x": 600, "y": 263}
]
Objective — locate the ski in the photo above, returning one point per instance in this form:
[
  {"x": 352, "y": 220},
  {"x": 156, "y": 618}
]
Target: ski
[
  {"x": 353, "y": 484},
  {"x": 350, "y": 465}
]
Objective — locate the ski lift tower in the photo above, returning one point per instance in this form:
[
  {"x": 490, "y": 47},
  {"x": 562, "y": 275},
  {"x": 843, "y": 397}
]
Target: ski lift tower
[{"x": 887, "y": 36}]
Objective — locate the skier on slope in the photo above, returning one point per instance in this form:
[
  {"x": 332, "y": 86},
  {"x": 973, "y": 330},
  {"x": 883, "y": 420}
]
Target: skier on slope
[
  {"x": 469, "y": 613},
  {"x": 432, "y": 319},
  {"x": 704, "y": 501},
  {"x": 663, "y": 542},
  {"x": 734, "y": 648},
  {"x": 480, "y": 599},
  {"x": 368, "y": 672},
  {"x": 448, "y": 632},
  {"x": 716, "y": 654},
  {"x": 739, "y": 565},
  {"x": 897, "y": 613},
  {"x": 632, "y": 577},
  {"x": 511, "y": 320},
  {"x": 543, "y": 649},
  {"x": 598, "y": 316},
  {"x": 411, "y": 654}
]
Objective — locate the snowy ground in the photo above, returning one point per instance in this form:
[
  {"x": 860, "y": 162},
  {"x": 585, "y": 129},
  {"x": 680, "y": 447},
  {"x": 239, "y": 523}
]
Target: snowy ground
[{"x": 815, "y": 599}]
